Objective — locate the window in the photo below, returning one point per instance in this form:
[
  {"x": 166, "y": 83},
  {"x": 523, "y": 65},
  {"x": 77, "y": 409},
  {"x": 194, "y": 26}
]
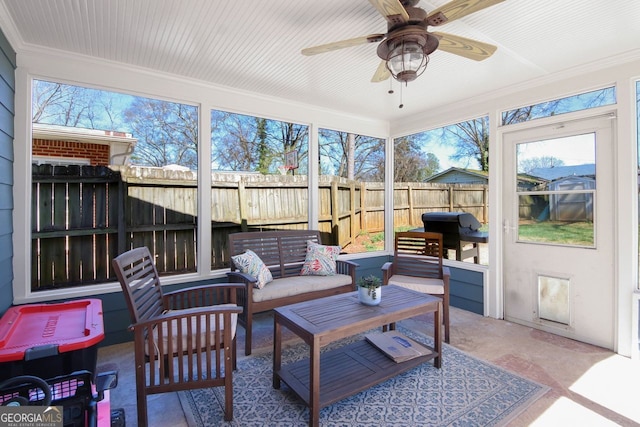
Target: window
[
  {"x": 259, "y": 177},
  {"x": 352, "y": 190},
  {"x": 139, "y": 189},
  {"x": 443, "y": 170},
  {"x": 583, "y": 101}
]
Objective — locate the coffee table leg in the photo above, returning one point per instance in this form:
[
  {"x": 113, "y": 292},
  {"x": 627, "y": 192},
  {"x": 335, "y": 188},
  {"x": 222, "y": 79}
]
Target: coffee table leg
[
  {"x": 437, "y": 335},
  {"x": 277, "y": 351},
  {"x": 314, "y": 384}
]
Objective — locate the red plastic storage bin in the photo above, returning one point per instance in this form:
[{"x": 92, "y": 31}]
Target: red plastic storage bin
[{"x": 50, "y": 340}]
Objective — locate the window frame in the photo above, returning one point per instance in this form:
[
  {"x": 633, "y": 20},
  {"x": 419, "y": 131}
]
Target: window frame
[{"x": 134, "y": 83}]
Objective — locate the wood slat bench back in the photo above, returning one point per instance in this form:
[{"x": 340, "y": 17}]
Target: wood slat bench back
[{"x": 282, "y": 251}]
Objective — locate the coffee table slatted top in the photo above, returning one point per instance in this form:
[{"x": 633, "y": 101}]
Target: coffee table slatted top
[{"x": 340, "y": 316}]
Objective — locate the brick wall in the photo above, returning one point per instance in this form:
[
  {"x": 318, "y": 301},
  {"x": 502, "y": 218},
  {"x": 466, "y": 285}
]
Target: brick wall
[{"x": 97, "y": 154}]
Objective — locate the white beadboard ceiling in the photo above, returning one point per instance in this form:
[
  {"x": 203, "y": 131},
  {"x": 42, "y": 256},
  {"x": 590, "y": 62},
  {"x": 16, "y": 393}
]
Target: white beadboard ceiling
[{"x": 254, "y": 45}]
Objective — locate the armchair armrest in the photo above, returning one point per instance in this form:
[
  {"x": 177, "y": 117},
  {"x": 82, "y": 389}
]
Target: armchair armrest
[
  {"x": 195, "y": 312},
  {"x": 202, "y": 296},
  {"x": 387, "y": 272},
  {"x": 237, "y": 276},
  {"x": 348, "y": 268},
  {"x": 446, "y": 276}
]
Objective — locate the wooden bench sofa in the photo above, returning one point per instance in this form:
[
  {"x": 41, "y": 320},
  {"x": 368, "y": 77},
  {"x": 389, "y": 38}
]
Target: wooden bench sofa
[{"x": 283, "y": 252}]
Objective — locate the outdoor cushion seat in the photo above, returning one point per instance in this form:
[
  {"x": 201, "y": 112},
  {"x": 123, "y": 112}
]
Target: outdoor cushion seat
[
  {"x": 295, "y": 285},
  {"x": 426, "y": 285}
]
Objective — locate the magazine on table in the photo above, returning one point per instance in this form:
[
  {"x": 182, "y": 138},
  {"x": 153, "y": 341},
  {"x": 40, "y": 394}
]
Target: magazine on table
[{"x": 397, "y": 346}]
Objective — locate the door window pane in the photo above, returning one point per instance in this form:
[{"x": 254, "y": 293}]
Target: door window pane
[{"x": 556, "y": 184}]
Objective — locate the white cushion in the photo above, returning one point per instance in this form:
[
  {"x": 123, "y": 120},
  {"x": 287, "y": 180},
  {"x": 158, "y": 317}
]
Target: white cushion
[
  {"x": 421, "y": 284},
  {"x": 203, "y": 326},
  {"x": 295, "y": 285}
]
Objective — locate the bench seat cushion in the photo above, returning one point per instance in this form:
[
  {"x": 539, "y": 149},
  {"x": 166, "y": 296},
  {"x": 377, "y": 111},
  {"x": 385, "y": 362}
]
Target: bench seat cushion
[
  {"x": 426, "y": 285},
  {"x": 295, "y": 285}
]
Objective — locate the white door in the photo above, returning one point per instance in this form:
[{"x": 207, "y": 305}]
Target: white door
[{"x": 558, "y": 229}]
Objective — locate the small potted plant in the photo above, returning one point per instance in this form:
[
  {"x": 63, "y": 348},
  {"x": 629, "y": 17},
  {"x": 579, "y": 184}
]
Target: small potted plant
[{"x": 369, "y": 290}]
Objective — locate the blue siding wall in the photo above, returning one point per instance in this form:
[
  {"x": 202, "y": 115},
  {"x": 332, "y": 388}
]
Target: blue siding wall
[{"x": 7, "y": 95}]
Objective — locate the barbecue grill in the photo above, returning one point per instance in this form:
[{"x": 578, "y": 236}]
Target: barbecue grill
[{"x": 459, "y": 230}]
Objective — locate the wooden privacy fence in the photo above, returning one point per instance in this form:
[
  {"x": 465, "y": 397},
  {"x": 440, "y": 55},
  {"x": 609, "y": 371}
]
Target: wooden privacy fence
[{"x": 83, "y": 216}]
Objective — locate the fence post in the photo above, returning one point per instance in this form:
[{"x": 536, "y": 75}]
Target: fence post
[
  {"x": 122, "y": 220},
  {"x": 451, "y": 194},
  {"x": 242, "y": 207},
  {"x": 485, "y": 205},
  {"x": 363, "y": 210},
  {"x": 352, "y": 214},
  {"x": 410, "y": 200},
  {"x": 335, "y": 216}
]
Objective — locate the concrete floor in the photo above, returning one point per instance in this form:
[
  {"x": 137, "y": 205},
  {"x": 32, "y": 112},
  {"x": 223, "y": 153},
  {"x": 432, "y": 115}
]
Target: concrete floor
[{"x": 590, "y": 386}]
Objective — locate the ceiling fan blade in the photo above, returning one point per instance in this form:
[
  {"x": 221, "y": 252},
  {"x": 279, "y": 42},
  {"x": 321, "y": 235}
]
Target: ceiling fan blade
[
  {"x": 468, "y": 48},
  {"x": 457, "y": 9},
  {"x": 382, "y": 73},
  {"x": 371, "y": 38},
  {"x": 392, "y": 10}
]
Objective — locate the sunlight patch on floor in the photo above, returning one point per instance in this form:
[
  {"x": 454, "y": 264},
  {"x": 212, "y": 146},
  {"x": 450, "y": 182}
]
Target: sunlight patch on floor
[
  {"x": 565, "y": 412},
  {"x": 612, "y": 383}
]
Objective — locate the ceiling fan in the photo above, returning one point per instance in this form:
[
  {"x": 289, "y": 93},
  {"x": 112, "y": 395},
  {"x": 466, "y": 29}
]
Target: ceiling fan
[{"x": 406, "y": 46}]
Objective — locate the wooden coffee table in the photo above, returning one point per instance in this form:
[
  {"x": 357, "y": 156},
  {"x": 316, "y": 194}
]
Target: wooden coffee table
[{"x": 323, "y": 380}]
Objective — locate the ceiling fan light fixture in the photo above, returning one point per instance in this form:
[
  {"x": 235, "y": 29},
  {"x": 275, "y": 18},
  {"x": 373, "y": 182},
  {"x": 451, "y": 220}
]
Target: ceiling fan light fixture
[
  {"x": 406, "y": 52},
  {"x": 407, "y": 61}
]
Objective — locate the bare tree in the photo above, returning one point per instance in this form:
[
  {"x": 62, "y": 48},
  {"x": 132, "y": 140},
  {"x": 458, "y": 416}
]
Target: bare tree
[
  {"x": 234, "y": 137},
  {"x": 75, "y": 106},
  {"x": 472, "y": 141},
  {"x": 247, "y": 143},
  {"x": 351, "y": 156},
  {"x": 410, "y": 162},
  {"x": 167, "y": 132}
]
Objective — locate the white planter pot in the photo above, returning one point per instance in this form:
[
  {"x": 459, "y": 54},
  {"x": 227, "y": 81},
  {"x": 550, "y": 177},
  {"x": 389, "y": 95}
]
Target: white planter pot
[{"x": 365, "y": 298}]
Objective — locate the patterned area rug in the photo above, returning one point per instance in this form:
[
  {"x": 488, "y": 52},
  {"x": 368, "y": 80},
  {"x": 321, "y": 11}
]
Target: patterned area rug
[{"x": 465, "y": 391}]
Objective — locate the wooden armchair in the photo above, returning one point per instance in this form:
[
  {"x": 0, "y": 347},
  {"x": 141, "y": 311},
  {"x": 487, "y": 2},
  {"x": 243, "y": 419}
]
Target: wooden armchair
[
  {"x": 182, "y": 340},
  {"x": 417, "y": 265}
]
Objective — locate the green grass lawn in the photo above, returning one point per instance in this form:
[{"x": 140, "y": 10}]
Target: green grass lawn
[{"x": 564, "y": 233}]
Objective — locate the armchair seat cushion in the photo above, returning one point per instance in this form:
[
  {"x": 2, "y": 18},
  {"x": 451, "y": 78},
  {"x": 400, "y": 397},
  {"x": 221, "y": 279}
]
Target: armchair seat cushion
[
  {"x": 296, "y": 285},
  {"x": 174, "y": 337},
  {"x": 425, "y": 285}
]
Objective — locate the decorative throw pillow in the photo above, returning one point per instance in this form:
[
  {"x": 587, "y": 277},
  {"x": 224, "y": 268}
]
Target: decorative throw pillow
[
  {"x": 250, "y": 263},
  {"x": 320, "y": 260}
]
